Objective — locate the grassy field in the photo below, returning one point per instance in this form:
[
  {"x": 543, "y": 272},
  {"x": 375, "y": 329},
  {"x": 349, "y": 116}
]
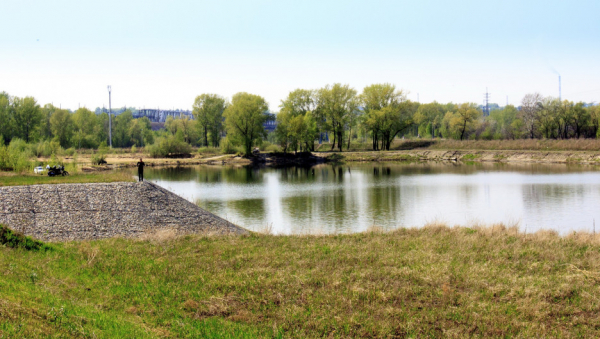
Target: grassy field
[
  {"x": 15, "y": 179},
  {"x": 429, "y": 282}
]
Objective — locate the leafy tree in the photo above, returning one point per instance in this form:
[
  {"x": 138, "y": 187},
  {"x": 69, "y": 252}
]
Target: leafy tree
[
  {"x": 85, "y": 128},
  {"x": 121, "y": 126},
  {"x": 508, "y": 124},
  {"x": 387, "y": 113},
  {"x": 61, "y": 124},
  {"x": 296, "y": 124},
  {"x": 594, "y": 112},
  {"x": 140, "y": 131},
  {"x": 551, "y": 117},
  {"x": 6, "y": 123},
  {"x": 27, "y": 117},
  {"x": 462, "y": 120},
  {"x": 335, "y": 104},
  {"x": 429, "y": 114},
  {"x": 244, "y": 119},
  {"x": 184, "y": 125},
  {"x": 581, "y": 119},
  {"x": 45, "y": 130},
  {"x": 208, "y": 110}
]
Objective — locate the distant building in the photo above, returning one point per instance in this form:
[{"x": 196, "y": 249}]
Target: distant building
[
  {"x": 271, "y": 122},
  {"x": 160, "y": 115}
]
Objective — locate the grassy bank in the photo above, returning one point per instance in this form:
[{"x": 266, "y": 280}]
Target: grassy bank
[
  {"x": 434, "y": 281},
  {"x": 15, "y": 179},
  {"x": 519, "y": 145}
]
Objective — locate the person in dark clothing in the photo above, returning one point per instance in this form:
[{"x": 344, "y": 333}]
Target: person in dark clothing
[{"x": 140, "y": 166}]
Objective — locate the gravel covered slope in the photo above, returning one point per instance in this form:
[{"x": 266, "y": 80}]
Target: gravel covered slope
[{"x": 103, "y": 210}]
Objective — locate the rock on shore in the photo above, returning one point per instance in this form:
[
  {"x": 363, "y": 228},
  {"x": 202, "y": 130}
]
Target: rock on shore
[{"x": 103, "y": 210}]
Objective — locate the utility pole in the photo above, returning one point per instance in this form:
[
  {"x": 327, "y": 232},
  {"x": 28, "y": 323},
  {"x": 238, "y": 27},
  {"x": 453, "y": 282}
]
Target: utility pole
[{"x": 109, "y": 119}]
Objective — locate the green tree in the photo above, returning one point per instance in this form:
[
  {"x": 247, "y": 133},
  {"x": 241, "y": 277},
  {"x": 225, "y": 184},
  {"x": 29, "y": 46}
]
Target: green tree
[
  {"x": 121, "y": 126},
  {"x": 334, "y": 107},
  {"x": 85, "y": 128},
  {"x": 387, "y": 113},
  {"x": 581, "y": 119},
  {"x": 208, "y": 110},
  {"x": 507, "y": 122},
  {"x": 296, "y": 124},
  {"x": 185, "y": 126},
  {"x": 6, "y": 119},
  {"x": 140, "y": 132},
  {"x": 429, "y": 114},
  {"x": 61, "y": 124},
  {"x": 552, "y": 119},
  {"x": 27, "y": 117},
  {"x": 45, "y": 131},
  {"x": 463, "y": 119},
  {"x": 244, "y": 119}
]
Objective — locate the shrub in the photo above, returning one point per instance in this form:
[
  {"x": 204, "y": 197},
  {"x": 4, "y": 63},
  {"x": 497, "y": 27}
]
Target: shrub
[
  {"x": 227, "y": 147},
  {"x": 169, "y": 146},
  {"x": 99, "y": 158},
  {"x": 46, "y": 148},
  {"x": 273, "y": 149},
  {"x": 16, "y": 156},
  {"x": 209, "y": 150},
  {"x": 70, "y": 151},
  {"x": 14, "y": 239}
]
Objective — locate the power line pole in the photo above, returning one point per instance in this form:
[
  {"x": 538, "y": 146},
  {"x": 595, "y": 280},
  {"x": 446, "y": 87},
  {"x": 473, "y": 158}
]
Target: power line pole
[
  {"x": 487, "y": 103},
  {"x": 109, "y": 119}
]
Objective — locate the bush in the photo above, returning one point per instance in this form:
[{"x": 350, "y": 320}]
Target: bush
[
  {"x": 169, "y": 146},
  {"x": 46, "y": 148},
  {"x": 16, "y": 156},
  {"x": 209, "y": 150},
  {"x": 227, "y": 147},
  {"x": 273, "y": 149},
  {"x": 99, "y": 158},
  {"x": 70, "y": 151},
  {"x": 14, "y": 239}
]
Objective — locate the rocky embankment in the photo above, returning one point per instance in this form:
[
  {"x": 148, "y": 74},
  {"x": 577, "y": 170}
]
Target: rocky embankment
[{"x": 103, "y": 210}]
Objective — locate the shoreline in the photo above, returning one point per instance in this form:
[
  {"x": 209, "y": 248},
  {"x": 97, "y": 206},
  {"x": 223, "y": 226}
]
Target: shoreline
[{"x": 265, "y": 159}]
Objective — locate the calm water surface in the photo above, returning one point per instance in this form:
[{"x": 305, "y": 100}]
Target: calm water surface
[{"x": 351, "y": 198}]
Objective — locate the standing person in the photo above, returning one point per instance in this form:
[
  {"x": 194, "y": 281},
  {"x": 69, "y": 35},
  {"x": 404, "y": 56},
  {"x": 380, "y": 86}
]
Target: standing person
[{"x": 140, "y": 166}]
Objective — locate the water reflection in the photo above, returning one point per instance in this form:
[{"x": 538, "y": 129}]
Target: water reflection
[{"x": 349, "y": 198}]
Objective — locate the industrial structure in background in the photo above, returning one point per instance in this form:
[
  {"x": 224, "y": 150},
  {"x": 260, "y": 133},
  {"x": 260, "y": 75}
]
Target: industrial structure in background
[
  {"x": 486, "y": 100},
  {"x": 160, "y": 115}
]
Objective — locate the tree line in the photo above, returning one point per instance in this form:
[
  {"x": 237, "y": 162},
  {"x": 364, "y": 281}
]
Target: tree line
[{"x": 337, "y": 113}]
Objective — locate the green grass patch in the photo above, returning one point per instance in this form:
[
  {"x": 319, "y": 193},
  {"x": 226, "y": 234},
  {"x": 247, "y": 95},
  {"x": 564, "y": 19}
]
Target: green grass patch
[
  {"x": 13, "y": 239},
  {"x": 10, "y": 179},
  {"x": 429, "y": 282},
  {"x": 470, "y": 156}
]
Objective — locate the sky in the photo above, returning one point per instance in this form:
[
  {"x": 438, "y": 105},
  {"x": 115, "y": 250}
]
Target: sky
[{"x": 162, "y": 54}]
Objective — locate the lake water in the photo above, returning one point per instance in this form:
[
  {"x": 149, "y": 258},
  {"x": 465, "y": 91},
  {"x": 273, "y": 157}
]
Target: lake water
[{"x": 351, "y": 198}]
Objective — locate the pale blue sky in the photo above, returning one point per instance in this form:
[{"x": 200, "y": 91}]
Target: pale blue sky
[{"x": 164, "y": 53}]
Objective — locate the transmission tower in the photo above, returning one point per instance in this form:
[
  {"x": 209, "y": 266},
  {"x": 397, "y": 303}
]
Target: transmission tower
[{"x": 486, "y": 98}]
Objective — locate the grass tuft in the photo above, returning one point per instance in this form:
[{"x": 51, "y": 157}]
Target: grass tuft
[{"x": 14, "y": 239}]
